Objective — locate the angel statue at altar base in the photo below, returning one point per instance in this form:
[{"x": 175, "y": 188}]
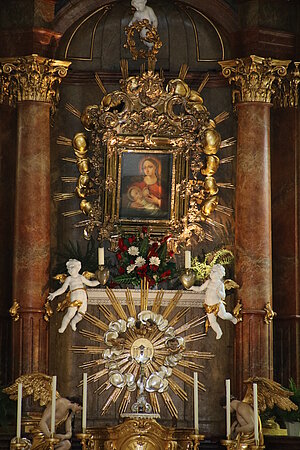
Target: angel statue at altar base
[
  {"x": 76, "y": 299},
  {"x": 39, "y": 385},
  {"x": 215, "y": 295},
  {"x": 269, "y": 394}
]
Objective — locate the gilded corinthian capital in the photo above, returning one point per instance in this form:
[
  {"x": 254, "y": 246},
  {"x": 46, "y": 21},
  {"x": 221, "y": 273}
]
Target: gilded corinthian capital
[
  {"x": 253, "y": 77},
  {"x": 31, "y": 78},
  {"x": 287, "y": 89}
]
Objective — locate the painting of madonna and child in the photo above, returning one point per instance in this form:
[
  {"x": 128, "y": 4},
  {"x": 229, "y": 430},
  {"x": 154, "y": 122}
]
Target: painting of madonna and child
[{"x": 145, "y": 186}]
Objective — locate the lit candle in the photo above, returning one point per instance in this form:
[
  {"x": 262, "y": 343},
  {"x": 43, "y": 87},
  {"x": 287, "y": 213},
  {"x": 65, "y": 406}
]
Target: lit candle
[
  {"x": 255, "y": 408},
  {"x": 19, "y": 411},
  {"x": 101, "y": 256},
  {"x": 228, "y": 424},
  {"x": 53, "y": 404},
  {"x": 187, "y": 259},
  {"x": 196, "y": 412},
  {"x": 84, "y": 402}
]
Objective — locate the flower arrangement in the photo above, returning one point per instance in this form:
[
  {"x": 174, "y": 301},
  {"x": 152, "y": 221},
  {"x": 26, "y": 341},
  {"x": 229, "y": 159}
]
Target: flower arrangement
[{"x": 140, "y": 257}]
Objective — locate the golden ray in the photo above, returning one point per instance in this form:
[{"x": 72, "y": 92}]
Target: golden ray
[
  {"x": 215, "y": 223},
  {"x": 92, "y": 336},
  {"x": 228, "y": 142},
  {"x": 187, "y": 378},
  {"x": 142, "y": 68},
  {"x": 74, "y": 212},
  {"x": 103, "y": 387},
  {"x": 96, "y": 376},
  {"x": 107, "y": 313},
  {"x": 190, "y": 324},
  {"x": 178, "y": 390},
  {"x": 154, "y": 402},
  {"x": 124, "y": 68},
  {"x": 61, "y": 196},
  {"x": 87, "y": 349},
  {"x": 178, "y": 316},
  {"x": 161, "y": 73},
  {"x": 157, "y": 301},
  {"x": 191, "y": 365},
  {"x": 62, "y": 140},
  {"x": 203, "y": 83},
  {"x": 197, "y": 354},
  {"x": 111, "y": 399},
  {"x": 224, "y": 210},
  {"x": 172, "y": 304},
  {"x": 226, "y": 185},
  {"x": 116, "y": 304},
  {"x": 208, "y": 237},
  {"x": 100, "y": 84},
  {"x": 69, "y": 179},
  {"x": 170, "y": 404},
  {"x": 227, "y": 160},
  {"x": 221, "y": 117},
  {"x": 183, "y": 71},
  {"x": 144, "y": 294},
  {"x": 95, "y": 362},
  {"x": 151, "y": 64},
  {"x": 94, "y": 321},
  {"x": 71, "y": 160},
  {"x": 73, "y": 110},
  {"x": 125, "y": 402},
  {"x": 194, "y": 337},
  {"x": 130, "y": 303}
]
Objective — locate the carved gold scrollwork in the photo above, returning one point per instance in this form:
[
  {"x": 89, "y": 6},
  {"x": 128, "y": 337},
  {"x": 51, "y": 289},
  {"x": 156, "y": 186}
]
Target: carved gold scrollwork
[
  {"x": 13, "y": 311},
  {"x": 270, "y": 314},
  {"x": 151, "y": 37},
  {"x": 31, "y": 78},
  {"x": 253, "y": 77},
  {"x": 237, "y": 311}
]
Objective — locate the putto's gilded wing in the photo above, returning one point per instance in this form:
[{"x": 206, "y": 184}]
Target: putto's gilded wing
[
  {"x": 36, "y": 384},
  {"x": 88, "y": 275},
  {"x": 230, "y": 284},
  {"x": 269, "y": 394},
  {"x": 61, "y": 277}
]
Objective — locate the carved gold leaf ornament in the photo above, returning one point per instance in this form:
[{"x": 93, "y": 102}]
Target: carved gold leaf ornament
[
  {"x": 144, "y": 338},
  {"x": 14, "y": 311},
  {"x": 151, "y": 37}
]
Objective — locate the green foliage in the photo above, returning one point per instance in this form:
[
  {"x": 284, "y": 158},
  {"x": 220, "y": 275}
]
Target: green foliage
[{"x": 202, "y": 269}]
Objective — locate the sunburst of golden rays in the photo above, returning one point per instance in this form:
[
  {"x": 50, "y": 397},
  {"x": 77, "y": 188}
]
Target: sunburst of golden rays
[
  {"x": 145, "y": 340},
  {"x": 73, "y": 110}
]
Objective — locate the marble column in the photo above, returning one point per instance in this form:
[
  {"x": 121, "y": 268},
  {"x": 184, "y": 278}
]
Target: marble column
[
  {"x": 31, "y": 83},
  {"x": 252, "y": 79}
]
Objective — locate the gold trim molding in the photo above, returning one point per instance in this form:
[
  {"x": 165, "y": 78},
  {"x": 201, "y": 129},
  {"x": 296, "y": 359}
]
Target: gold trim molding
[
  {"x": 253, "y": 77},
  {"x": 31, "y": 77}
]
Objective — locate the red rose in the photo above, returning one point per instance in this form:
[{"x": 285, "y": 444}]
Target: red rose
[
  {"x": 153, "y": 267},
  {"x": 171, "y": 254},
  {"x": 121, "y": 270},
  {"x": 164, "y": 239},
  {"x": 144, "y": 229},
  {"x": 165, "y": 274},
  {"x": 119, "y": 256},
  {"x": 131, "y": 239}
]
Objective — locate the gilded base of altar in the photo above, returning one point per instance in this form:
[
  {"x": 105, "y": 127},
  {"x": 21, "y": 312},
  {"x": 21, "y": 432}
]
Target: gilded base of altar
[{"x": 141, "y": 434}]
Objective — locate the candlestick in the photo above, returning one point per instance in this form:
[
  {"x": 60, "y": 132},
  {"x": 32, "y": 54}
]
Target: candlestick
[
  {"x": 187, "y": 259},
  {"x": 84, "y": 402},
  {"x": 228, "y": 424},
  {"x": 255, "y": 408},
  {"x": 19, "y": 411},
  {"x": 101, "y": 256},
  {"x": 196, "y": 412},
  {"x": 53, "y": 404}
]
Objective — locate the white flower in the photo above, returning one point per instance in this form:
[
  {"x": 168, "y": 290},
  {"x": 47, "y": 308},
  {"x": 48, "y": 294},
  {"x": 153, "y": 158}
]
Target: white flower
[
  {"x": 154, "y": 260},
  {"x": 140, "y": 261},
  {"x": 130, "y": 268},
  {"x": 134, "y": 251}
]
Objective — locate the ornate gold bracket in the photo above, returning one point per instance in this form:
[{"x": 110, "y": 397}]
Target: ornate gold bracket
[
  {"x": 270, "y": 314},
  {"x": 253, "y": 77},
  {"x": 48, "y": 311},
  {"x": 237, "y": 311},
  {"x": 31, "y": 77},
  {"x": 13, "y": 311}
]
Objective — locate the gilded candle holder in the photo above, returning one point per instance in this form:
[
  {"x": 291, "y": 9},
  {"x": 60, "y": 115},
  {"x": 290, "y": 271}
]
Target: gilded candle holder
[
  {"x": 102, "y": 274},
  {"x": 52, "y": 441},
  {"x": 18, "y": 443},
  {"x": 229, "y": 444},
  {"x": 196, "y": 439},
  {"x": 85, "y": 439}
]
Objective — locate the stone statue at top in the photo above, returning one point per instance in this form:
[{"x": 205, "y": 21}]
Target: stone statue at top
[{"x": 143, "y": 12}]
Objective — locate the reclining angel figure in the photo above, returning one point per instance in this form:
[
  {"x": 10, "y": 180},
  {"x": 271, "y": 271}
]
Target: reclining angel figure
[
  {"x": 269, "y": 394},
  {"x": 39, "y": 385}
]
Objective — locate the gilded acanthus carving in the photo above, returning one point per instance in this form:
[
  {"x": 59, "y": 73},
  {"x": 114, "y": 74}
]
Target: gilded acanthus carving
[
  {"x": 31, "y": 78},
  {"x": 287, "y": 89},
  {"x": 253, "y": 77}
]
